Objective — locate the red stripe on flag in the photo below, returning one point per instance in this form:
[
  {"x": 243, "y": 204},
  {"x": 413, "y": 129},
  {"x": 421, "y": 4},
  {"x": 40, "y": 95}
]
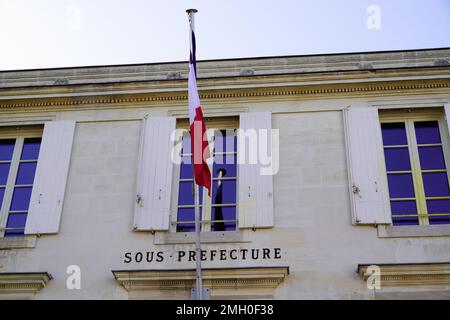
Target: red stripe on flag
[{"x": 200, "y": 151}]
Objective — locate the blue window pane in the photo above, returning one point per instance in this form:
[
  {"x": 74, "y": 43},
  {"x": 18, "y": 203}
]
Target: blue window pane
[
  {"x": 6, "y": 149},
  {"x": 186, "y": 144},
  {"x": 401, "y": 185},
  {"x": 2, "y": 193},
  {"x": 397, "y": 159},
  {"x": 14, "y": 233},
  {"x": 4, "y": 170},
  {"x": 435, "y": 184},
  {"x": 439, "y": 220},
  {"x": 427, "y": 132},
  {"x": 186, "y": 214},
  {"x": 16, "y": 220},
  {"x": 185, "y": 194},
  {"x": 25, "y": 175},
  {"x": 438, "y": 206},
  {"x": 186, "y": 170},
  {"x": 227, "y": 162},
  {"x": 219, "y": 141},
  {"x": 30, "y": 149},
  {"x": 185, "y": 227},
  {"x": 226, "y": 193},
  {"x": 225, "y": 141},
  {"x": 404, "y": 207},
  {"x": 394, "y": 134},
  {"x": 223, "y": 213},
  {"x": 431, "y": 158},
  {"x": 405, "y": 221},
  {"x": 21, "y": 198}
]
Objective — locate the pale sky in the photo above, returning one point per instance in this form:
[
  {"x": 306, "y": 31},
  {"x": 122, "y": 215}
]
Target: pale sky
[{"x": 65, "y": 33}]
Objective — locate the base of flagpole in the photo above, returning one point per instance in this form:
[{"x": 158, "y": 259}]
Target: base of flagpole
[
  {"x": 198, "y": 268},
  {"x": 205, "y": 294}
]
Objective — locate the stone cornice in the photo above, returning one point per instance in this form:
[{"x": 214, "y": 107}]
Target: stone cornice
[
  {"x": 234, "y": 83},
  {"x": 232, "y": 278},
  {"x": 23, "y": 282},
  {"x": 246, "y": 67},
  {"x": 420, "y": 274},
  {"x": 248, "y": 94}
]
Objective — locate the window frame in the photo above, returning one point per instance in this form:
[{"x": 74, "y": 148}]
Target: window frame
[
  {"x": 211, "y": 125},
  {"x": 19, "y": 134},
  {"x": 408, "y": 117}
]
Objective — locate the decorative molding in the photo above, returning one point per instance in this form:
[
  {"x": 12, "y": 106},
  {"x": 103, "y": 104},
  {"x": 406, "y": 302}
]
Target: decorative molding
[
  {"x": 118, "y": 100},
  {"x": 16, "y": 120},
  {"x": 210, "y": 112},
  {"x": 409, "y": 274},
  {"x": 18, "y": 242},
  {"x": 229, "y": 278},
  {"x": 363, "y": 62},
  {"x": 206, "y": 237},
  {"x": 23, "y": 282},
  {"x": 413, "y": 231}
]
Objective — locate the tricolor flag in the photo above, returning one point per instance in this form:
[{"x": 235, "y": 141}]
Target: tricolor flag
[{"x": 199, "y": 141}]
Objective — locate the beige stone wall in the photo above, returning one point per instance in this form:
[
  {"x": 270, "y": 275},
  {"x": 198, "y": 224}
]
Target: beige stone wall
[
  {"x": 306, "y": 96},
  {"x": 312, "y": 219}
]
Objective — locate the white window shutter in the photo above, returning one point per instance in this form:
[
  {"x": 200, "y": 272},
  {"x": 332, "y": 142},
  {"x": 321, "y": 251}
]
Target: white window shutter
[
  {"x": 255, "y": 190},
  {"x": 154, "y": 176},
  {"x": 46, "y": 203},
  {"x": 447, "y": 115},
  {"x": 369, "y": 195}
]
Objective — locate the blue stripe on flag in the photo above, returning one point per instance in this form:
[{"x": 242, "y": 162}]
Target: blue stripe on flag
[{"x": 192, "y": 59}]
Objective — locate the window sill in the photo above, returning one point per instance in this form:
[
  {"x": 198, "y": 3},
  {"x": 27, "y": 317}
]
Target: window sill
[
  {"x": 22, "y": 285},
  {"x": 224, "y": 283},
  {"x": 18, "y": 242},
  {"x": 206, "y": 237},
  {"x": 413, "y": 231},
  {"x": 428, "y": 274}
]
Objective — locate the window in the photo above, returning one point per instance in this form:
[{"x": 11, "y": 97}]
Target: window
[
  {"x": 416, "y": 156},
  {"x": 218, "y": 213},
  {"x": 19, "y": 153}
]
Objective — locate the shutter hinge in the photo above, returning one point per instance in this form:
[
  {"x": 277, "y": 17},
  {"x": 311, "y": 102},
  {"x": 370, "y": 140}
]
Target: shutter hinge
[
  {"x": 139, "y": 200},
  {"x": 355, "y": 189}
]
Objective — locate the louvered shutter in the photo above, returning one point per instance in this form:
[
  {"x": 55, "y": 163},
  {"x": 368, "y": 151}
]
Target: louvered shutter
[
  {"x": 255, "y": 190},
  {"x": 447, "y": 115},
  {"x": 366, "y": 167},
  {"x": 47, "y": 197},
  {"x": 154, "y": 176}
]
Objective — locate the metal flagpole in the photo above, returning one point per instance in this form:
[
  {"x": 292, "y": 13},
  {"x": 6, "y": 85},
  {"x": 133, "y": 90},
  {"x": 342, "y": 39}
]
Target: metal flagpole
[{"x": 198, "y": 269}]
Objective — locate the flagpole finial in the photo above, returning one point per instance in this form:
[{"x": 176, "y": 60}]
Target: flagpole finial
[{"x": 189, "y": 11}]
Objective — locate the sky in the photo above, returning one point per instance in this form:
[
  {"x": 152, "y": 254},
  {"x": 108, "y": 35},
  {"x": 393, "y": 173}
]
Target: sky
[{"x": 65, "y": 33}]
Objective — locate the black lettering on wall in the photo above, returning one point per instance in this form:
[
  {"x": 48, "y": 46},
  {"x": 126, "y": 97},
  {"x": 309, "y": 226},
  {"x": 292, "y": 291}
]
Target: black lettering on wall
[{"x": 159, "y": 256}]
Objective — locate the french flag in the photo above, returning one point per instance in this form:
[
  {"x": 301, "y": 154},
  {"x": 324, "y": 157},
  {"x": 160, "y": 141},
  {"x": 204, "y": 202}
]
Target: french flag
[{"x": 199, "y": 141}]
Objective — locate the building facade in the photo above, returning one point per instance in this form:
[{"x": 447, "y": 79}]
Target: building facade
[{"x": 349, "y": 197}]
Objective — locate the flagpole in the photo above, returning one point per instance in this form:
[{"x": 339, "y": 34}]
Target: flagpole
[{"x": 198, "y": 269}]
